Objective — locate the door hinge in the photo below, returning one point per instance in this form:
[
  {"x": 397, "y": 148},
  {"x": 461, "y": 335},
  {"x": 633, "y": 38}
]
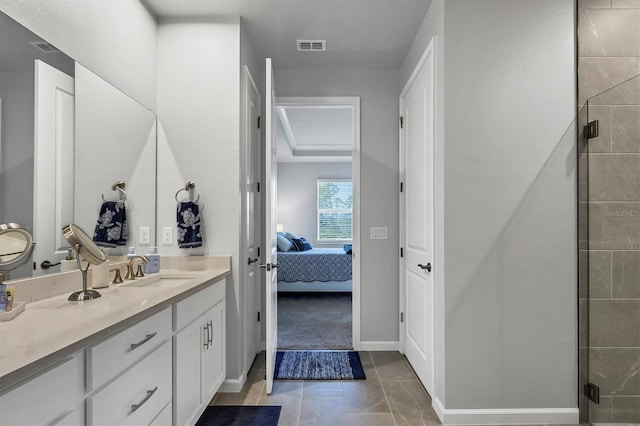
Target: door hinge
[
  {"x": 258, "y": 251},
  {"x": 591, "y": 130},
  {"x": 259, "y": 122},
  {"x": 34, "y": 266},
  {"x": 401, "y": 252},
  {"x": 401, "y": 186},
  {"x": 401, "y": 122},
  {"x": 258, "y": 186},
  {"x": 401, "y": 316},
  {"x": 258, "y": 316},
  {"x": 592, "y": 392}
]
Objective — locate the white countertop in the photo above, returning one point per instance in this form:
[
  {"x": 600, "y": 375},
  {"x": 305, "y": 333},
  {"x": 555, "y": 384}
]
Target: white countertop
[{"x": 52, "y": 329}]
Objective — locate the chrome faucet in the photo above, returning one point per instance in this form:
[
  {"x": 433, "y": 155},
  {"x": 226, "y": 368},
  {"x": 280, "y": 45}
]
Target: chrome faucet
[{"x": 130, "y": 274}]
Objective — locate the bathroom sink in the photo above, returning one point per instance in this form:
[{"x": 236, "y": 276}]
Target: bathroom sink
[{"x": 158, "y": 282}]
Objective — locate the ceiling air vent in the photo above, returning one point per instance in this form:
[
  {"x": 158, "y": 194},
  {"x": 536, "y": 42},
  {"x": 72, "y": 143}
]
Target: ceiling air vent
[
  {"x": 43, "y": 46},
  {"x": 312, "y": 45}
]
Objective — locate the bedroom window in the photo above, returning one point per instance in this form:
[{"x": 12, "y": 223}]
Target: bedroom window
[{"x": 335, "y": 210}]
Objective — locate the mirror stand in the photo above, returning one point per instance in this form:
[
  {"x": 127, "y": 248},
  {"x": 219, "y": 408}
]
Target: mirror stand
[{"x": 84, "y": 294}]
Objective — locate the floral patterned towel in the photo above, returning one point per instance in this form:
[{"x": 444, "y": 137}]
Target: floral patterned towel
[
  {"x": 111, "y": 230},
  {"x": 189, "y": 224}
]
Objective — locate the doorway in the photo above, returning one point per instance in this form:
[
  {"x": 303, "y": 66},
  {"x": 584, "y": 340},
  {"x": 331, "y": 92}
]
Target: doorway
[{"x": 318, "y": 189}]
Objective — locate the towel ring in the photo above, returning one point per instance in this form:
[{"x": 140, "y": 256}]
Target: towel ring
[
  {"x": 189, "y": 187},
  {"x": 118, "y": 186}
]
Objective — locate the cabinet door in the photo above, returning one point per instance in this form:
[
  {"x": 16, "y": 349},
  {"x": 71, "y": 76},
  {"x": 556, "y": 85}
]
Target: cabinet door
[
  {"x": 188, "y": 346},
  {"x": 213, "y": 356}
]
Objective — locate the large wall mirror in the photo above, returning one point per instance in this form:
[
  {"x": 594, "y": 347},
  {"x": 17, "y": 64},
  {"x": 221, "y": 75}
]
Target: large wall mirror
[{"x": 70, "y": 144}]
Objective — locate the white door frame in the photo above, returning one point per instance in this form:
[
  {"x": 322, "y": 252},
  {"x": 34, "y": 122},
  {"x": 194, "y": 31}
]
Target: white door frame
[
  {"x": 430, "y": 50},
  {"x": 354, "y": 103}
]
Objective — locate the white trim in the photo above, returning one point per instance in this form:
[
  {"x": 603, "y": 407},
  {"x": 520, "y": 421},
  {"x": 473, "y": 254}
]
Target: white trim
[
  {"x": 233, "y": 385},
  {"x": 379, "y": 346},
  {"x": 506, "y": 415}
]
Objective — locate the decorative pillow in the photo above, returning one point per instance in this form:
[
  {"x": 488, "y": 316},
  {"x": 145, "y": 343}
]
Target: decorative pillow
[
  {"x": 284, "y": 244},
  {"x": 301, "y": 244},
  {"x": 291, "y": 236}
]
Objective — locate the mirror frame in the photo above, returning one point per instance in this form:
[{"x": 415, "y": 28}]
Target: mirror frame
[{"x": 7, "y": 228}]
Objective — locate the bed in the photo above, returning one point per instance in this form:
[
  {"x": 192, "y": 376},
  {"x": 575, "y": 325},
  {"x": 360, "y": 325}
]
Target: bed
[{"x": 315, "y": 270}]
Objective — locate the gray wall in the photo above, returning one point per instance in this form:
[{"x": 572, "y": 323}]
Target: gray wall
[
  {"x": 378, "y": 91},
  {"x": 199, "y": 64},
  {"x": 510, "y": 204},
  {"x": 297, "y": 195}
]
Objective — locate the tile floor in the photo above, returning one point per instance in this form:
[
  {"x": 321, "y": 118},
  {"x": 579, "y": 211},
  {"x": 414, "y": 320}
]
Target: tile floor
[{"x": 391, "y": 395}]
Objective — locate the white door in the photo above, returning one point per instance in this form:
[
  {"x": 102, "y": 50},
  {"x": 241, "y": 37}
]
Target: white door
[
  {"x": 252, "y": 105},
  {"x": 417, "y": 170},
  {"x": 53, "y": 162},
  {"x": 271, "y": 253}
]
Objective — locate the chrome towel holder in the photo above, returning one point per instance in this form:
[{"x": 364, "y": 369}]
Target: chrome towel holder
[
  {"x": 190, "y": 189},
  {"x": 118, "y": 186}
]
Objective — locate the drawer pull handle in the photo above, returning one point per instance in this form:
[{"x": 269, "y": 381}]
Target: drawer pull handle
[
  {"x": 150, "y": 393},
  {"x": 210, "y": 324},
  {"x": 143, "y": 341}
]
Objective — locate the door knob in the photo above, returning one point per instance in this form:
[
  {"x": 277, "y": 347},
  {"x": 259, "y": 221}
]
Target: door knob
[
  {"x": 427, "y": 266},
  {"x": 269, "y": 266},
  {"x": 47, "y": 264}
]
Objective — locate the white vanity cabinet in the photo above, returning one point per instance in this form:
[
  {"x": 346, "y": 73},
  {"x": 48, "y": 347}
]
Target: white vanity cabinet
[
  {"x": 52, "y": 397},
  {"x": 158, "y": 369},
  {"x": 199, "y": 352}
]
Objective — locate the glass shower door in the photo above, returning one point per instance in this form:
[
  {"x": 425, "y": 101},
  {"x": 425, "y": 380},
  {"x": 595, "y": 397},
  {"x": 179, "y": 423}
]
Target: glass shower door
[{"x": 609, "y": 218}]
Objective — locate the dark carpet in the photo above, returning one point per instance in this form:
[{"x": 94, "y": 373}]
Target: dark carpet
[
  {"x": 314, "y": 321},
  {"x": 318, "y": 365},
  {"x": 240, "y": 415}
]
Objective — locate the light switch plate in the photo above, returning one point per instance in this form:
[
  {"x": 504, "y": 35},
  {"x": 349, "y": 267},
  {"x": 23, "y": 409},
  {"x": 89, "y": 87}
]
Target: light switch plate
[
  {"x": 378, "y": 232},
  {"x": 144, "y": 236},
  {"x": 167, "y": 235}
]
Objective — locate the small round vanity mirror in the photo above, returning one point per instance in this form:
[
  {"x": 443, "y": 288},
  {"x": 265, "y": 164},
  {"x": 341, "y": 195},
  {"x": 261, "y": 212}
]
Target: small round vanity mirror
[
  {"x": 16, "y": 246},
  {"x": 90, "y": 252},
  {"x": 87, "y": 248}
]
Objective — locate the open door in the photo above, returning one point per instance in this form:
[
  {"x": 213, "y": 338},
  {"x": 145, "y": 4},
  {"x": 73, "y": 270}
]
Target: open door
[
  {"x": 54, "y": 162},
  {"x": 271, "y": 253}
]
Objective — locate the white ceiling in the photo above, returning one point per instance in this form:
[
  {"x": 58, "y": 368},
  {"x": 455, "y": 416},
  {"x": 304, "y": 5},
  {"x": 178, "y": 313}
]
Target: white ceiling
[
  {"x": 359, "y": 33},
  {"x": 315, "y": 133}
]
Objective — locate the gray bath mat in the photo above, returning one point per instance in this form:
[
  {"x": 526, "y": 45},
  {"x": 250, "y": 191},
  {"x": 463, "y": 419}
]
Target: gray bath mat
[{"x": 318, "y": 365}]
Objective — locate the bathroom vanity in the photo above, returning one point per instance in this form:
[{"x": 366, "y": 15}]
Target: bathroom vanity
[{"x": 149, "y": 351}]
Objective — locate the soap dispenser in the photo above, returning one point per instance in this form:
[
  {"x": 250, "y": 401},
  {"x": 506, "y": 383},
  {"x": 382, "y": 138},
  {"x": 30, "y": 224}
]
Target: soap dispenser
[
  {"x": 69, "y": 263},
  {"x": 153, "y": 265}
]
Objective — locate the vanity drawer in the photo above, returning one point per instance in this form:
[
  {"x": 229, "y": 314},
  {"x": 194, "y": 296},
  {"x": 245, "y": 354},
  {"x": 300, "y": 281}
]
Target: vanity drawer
[
  {"x": 192, "y": 307},
  {"x": 115, "y": 354},
  {"x": 138, "y": 396},
  {"x": 46, "y": 398}
]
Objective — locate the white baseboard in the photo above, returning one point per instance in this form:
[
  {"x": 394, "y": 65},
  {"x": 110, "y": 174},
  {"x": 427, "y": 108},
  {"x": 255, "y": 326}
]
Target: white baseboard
[
  {"x": 506, "y": 416},
  {"x": 378, "y": 346},
  {"x": 233, "y": 385}
]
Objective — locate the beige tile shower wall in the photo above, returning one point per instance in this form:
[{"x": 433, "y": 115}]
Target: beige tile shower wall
[{"x": 609, "y": 54}]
